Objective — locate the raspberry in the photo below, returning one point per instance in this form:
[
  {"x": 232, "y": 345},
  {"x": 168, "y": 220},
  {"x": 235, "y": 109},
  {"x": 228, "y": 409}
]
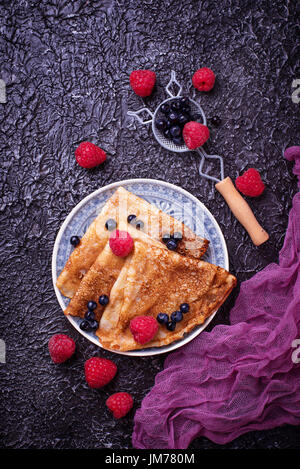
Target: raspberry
[
  {"x": 99, "y": 371},
  {"x": 61, "y": 347},
  {"x": 121, "y": 243},
  {"x": 120, "y": 404},
  {"x": 204, "y": 79},
  {"x": 89, "y": 155},
  {"x": 195, "y": 134},
  {"x": 142, "y": 82},
  {"x": 143, "y": 328},
  {"x": 250, "y": 183}
]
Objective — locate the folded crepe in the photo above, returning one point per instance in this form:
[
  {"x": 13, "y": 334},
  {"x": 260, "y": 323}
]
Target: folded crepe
[
  {"x": 149, "y": 281},
  {"x": 121, "y": 204}
]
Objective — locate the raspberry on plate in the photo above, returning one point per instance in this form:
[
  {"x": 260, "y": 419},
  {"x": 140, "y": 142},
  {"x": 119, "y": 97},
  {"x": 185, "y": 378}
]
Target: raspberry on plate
[
  {"x": 195, "y": 134},
  {"x": 99, "y": 371},
  {"x": 143, "y": 328},
  {"x": 204, "y": 79},
  {"x": 89, "y": 155},
  {"x": 61, "y": 347},
  {"x": 120, "y": 404},
  {"x": 142, "y": 82},
  {"x": 121, "y": 243},
  {"x": 250, "y": 183}
]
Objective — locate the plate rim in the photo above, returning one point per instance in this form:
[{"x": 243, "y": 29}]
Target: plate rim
[{"x": 136, "y": 353}]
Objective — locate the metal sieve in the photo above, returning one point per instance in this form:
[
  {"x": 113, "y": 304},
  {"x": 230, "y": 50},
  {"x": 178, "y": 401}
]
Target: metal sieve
[{"x": 235, "y": 201}]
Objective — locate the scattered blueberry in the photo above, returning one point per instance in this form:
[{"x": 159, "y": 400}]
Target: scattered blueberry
[
  {"x": 139, "y": 224},
  {"x": 175, "y": 131},
  {"x": 177, "y": 235},
  {"x": 103, "y": 300},
  {"x": 162, "y": 318},
  {"x": 130, "y": 218},
  {"x": 184, "y": 307},
  {"x": 85, "y": 325},
  {"x": 215, "y": 120},
  {"x": 74, "y": 240},
  {"x": 176, "y": 316},
  {"x": 164, "y": 108},
  {"x": 92, "y": 305},
  {"x": 94, "y": 325},
  {"x": 171, "y": 244},
  {"x": 166, "y": 237},
  {"x": 171, "y": 325},
  {"x": 111, "y": 224},
  {"x": 89, "y": 315},
  {"x": 160, "y": 124}
]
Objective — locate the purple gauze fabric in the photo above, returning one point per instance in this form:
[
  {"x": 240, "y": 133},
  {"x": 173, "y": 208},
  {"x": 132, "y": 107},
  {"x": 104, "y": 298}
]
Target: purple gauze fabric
[{"x": 240, "y": 377}]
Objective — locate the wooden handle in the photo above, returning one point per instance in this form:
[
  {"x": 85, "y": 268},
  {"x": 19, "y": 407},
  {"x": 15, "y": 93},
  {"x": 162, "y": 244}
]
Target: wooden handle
[{"x": 242, "y": 211}]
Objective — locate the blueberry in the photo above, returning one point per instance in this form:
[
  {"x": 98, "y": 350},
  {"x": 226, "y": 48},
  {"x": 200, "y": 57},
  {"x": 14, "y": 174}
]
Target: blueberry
[
  {"x": 130, "y": 218},
  {"x": 177, "y": 235},
  {"x": 165, "y": 108},
  {"x": 89, "y": 315},
  {"x": 139, "y": 224},
  {"x": 176, "y": 105},
  {"x": 92, "y": 305},
  {"x": 85, "y": 325},
  {"x": 160, "y": 124},
  {"x": 94, "y": 325},
  {"x": 103, "y": 300},
  {"x": 178, "y": 140},
  {"x": 184, "y": 100},
  {"x": 111, "y": 224},
  {"x": 74, "y": 240},
  {"x": 183, "y": 119},
  {"x": 168, "y": 124},
  {"x": 173, "y": 116},
  {"x": 186, "y": 107},
  {"x": 216, "y": 121},
  {"x": 166, "y": 237},
  {"x": 176, "y": 316},
  {"x": 171, "y": 325},
  {"x": 175, "y": 131},
  {"x": 171, "y": 244},
  {"x": 184, "y": 307},
  {"x": 167, "y": 133},
  {"x": 162, "y": 318}
]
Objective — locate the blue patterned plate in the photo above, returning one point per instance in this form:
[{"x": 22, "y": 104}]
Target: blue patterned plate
[{"x": 171, "y": 199}]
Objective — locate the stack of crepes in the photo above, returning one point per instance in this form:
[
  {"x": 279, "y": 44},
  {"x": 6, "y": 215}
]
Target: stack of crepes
[{"x": 240, "y": 377}]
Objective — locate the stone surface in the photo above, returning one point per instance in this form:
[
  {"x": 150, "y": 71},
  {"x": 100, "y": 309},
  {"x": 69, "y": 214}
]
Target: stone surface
[{"x": 66, "y": 67}]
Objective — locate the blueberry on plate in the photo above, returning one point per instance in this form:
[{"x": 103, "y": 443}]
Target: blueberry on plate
[
  {"x": 103, "y": 300},
  {"x": 184, "y": 307},
  {"x": 130, "y": 218},
  {"x": 171, "y": 244},
  {"x": 171, "y": 325},
  {"x": 160, "y": 124},
  {"x": 74, "y": 240},
  {"x": 175, "y": 131},
  {"x": 111, "y": 224},
  {"x": 85, "y": 325},
  {"x": 176, "y": 316},
  {"x": 162, "y": 318},
  {"x": 89, "y": 315},
  {"x": 165, "y": 108},
  {"x": 178, "y": 140},
  {"x": 92, "y": 305}
]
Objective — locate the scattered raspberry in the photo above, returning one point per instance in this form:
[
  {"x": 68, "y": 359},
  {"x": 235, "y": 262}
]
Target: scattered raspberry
[
  {"x": 89, "y": 155},
  {"x": 61, "y": 347},
  {"x": 120, "y": 404},
  {"x": 250, "y": 183},
  {"x": 121, "y": 243},
  {"x": 195, "y": 134},
  {"x": 142, "y": 82},
  {"x": 99, "y": 371},
  {"x": 204, "y": 79},
  {"x": 143, "y": 328}
]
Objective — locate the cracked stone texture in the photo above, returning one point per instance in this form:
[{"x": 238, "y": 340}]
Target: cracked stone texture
[{"x": 66, "y": 67}]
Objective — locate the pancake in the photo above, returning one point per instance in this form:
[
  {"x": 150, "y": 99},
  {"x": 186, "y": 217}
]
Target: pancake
[{"x": 121, "y": 204}]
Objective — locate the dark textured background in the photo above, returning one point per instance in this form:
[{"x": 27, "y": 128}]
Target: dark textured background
[{"x": 66, "y": 65}]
